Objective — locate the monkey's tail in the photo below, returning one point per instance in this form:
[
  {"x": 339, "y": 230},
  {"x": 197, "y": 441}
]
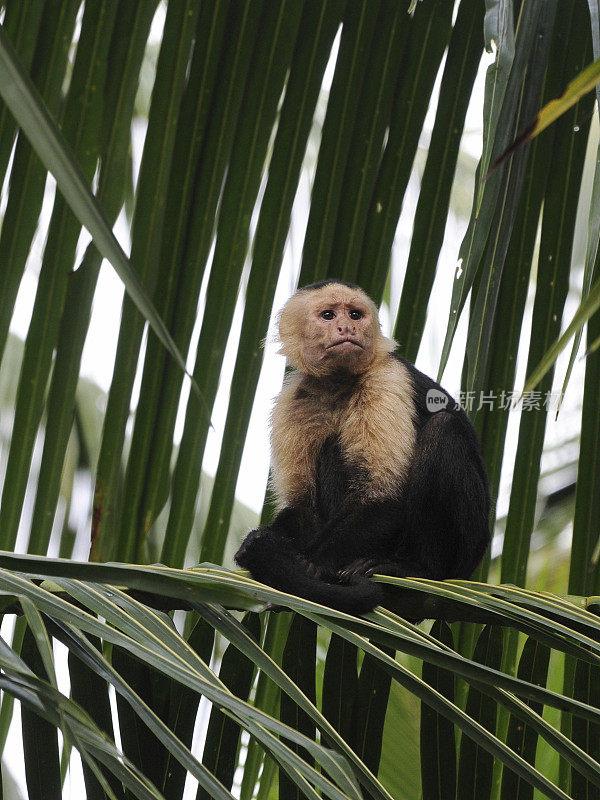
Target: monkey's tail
[{"x": 273, "y": 560}]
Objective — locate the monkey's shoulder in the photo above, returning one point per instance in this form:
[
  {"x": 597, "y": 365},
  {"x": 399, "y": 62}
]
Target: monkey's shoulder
[{"x": 429, "y": 397}]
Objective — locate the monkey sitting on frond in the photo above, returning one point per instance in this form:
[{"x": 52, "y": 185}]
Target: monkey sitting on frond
[{"x": 376, "y": 468}]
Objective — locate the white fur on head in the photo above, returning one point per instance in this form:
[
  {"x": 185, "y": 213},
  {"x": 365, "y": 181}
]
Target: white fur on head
[{"x": 301, "y": 338}]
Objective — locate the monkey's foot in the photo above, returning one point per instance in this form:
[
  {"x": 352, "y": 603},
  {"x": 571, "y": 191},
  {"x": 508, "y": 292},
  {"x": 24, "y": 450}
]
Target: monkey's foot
[
  {"x": 317, "y": 571},
  {"x": 362, "y": 566},
  {"x": 373, "y": 566}
]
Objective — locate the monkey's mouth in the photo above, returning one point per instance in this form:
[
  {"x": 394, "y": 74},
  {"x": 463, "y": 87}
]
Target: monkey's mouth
[{"x": 346, "y": 344}]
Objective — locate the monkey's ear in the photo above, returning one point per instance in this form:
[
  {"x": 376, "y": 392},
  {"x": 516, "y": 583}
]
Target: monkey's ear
[
  {"x": 290, "y": 333},
  {"x": 272, "y": 336}
]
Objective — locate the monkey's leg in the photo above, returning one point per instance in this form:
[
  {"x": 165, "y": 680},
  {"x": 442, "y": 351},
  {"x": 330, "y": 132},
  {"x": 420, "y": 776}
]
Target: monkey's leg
[
  {"x": 368, "y": 532},
  {"x": 275, "y": 558}
]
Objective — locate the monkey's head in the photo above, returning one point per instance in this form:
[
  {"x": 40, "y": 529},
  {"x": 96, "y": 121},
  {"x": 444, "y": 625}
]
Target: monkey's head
[{"x": 330, "y": 328}]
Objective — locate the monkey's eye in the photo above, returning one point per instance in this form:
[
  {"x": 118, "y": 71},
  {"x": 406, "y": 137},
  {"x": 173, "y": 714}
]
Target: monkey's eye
[
  {"x": 355, "y": 314},
  {"x": 329, "y": 314}
]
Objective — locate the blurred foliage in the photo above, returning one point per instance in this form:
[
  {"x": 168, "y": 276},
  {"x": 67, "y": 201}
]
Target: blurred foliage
[{"x": 240, "y": 147}]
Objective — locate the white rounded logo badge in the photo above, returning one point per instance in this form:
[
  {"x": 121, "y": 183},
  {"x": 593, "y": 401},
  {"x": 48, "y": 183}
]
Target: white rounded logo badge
[{"x": 436, "y": 400}]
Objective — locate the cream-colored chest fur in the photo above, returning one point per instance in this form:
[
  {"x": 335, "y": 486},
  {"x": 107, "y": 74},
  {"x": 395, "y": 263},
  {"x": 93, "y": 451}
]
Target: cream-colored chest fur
[{"x": 374, "y": 421}]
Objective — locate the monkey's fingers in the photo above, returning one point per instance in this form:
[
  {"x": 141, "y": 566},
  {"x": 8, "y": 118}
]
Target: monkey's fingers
[
  {"x": 397, "y": 570},
  {"x": 360, "y": 567}
]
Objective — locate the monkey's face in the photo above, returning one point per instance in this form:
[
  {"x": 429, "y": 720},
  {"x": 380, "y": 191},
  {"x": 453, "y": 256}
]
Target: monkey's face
[{"x": 330, "y": 330}]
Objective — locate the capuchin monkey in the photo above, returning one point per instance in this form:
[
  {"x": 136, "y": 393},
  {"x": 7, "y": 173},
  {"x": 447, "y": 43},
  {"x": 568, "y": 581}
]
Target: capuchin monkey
[{"x": 376, "y": 469}]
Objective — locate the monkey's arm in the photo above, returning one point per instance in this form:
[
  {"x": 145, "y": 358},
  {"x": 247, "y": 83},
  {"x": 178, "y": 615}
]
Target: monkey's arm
[
  {"x": 275, "y": 556},
  {"x": 367, "y": 531}
]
